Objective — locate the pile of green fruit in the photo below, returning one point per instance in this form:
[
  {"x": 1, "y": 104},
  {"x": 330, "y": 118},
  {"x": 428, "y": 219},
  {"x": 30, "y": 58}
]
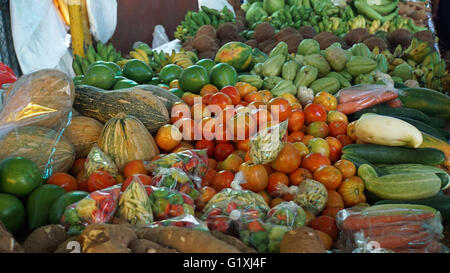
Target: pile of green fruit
[
  {"x": 105, "y": 53},
  {"x": 206, "y": 16}
]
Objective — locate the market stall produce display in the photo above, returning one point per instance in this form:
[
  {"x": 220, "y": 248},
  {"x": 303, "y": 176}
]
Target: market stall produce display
[{"x": 294, "y": 127}]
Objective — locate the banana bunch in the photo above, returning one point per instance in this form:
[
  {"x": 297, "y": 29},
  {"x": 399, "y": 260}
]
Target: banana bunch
[
  {"x": 160, "y": 59},
  {"x": 106, "y": 53},
  {"x": 184, "y": 59},
  {"x": 206, "y": 16},
  {"x": 357, "y": 22}
]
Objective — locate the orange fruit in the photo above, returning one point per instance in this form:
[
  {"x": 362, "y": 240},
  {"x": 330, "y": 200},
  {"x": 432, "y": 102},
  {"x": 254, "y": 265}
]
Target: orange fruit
[
  {"x": 168, "y": 137},
  {"x": 329, "y": 176}
]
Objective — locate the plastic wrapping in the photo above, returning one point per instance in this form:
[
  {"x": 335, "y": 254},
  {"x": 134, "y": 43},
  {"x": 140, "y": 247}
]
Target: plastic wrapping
[
  {"x": 399, "y": 228},
  {"x": 186, "y": 221},
  {"x": 98, "y": 207},
  {"x": 287, "y": 214},
  {"x": 310, "y": 195},
  {"x": 264, "y": 237},
  {"x": 167, "y": 203},
  {"x": 175, "y": 179},
  {"x": 41, "y": 102},
  {"x": 362, "y": 96},
  {"x": 97, "y": 159},
  {"x": 193, "y": 162},
  {"x": 135, "y": 205},
  {"x": 267, "y": 143}
]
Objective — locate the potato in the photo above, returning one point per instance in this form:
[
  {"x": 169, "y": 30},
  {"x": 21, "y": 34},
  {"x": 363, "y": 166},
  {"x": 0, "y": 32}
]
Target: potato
[
  {"x": 7, "y": 242},
  {"x": 106, "y": 238},
  {"x": 302, "y": 240},
  {"x": 45, "y": 239},
  {"x": 146, "y": 246}
]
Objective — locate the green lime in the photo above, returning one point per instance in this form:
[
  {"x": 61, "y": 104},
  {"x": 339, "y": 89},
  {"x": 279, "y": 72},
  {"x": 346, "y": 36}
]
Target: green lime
[
  {"x": 169, "y": 73},
  {"x": 19, "y": 176},
  {"x": 193, "y": 78},
  {"x": 177, "y": 92},
  {"x": 99, "y": 76},
  {"x": 137, "y": 71},
  {"x": 121, "y": 84},
  {"x": 222, "y": 75},
  {"x": 208, "y": 64},
  {"x": 12, "y": 212}
]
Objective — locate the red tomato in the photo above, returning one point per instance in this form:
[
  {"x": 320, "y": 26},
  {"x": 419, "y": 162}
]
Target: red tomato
[
  {"x": 296, "y": 120},
  {"x": 325, "y": 224},
  {"x": 222, "y": 151},
  {"x": 208, "y": 178},
  {"x": 344, "y": 140},
  {"x": 189, "y": 129},
  {"x": 176, "y": 210},
  {"x": 280, "y": 109},
  {"x": 199, "y": 111},
  {"x": 338, "y": 128},
  {"x": 205, "y": 98},
  {"x": 77, "y": 166},
  {"x": 208, "y": 128},
  {"x": 179, "y": 110},
  {"x": 335, "y": 148},
  {"x": 295, "y": 137},
  {"x": 222, "y": 180},
  {"x": 225, "y": 115},
  {"x": 206, "y": 144},
  {"x": 64, "y": 180},
  {"x": 100, "y": 180},
  {"x": 233, "y": 93},
  {"x": 144, "y": 179},
  {"x": 275, "y": 179},
  {"x": 134, "y": 167},
  {"x": 220, "y": 99},
  {"x": 314, "y": 112},
  {"x": 262, "y": 117},
  {"x": 242, "y": 126}
]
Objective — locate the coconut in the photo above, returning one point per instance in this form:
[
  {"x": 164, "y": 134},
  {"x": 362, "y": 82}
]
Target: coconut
[
  {"x": 307, "y": 32},
  {"x": 226, "y": 30},
  {"x": 204, "y": 43},
  {"x": 263, "y": 32},
  {"x": 356, "y": 35},
  {"x": 374, "y": 41},
  {"x": 207, "y": 30},
  {"x": 401, "y": 37}
]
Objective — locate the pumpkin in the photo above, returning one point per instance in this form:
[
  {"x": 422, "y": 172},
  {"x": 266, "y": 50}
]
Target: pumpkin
[
  {"x": 124, "y": 138},
  {"x": 41, "y": 145},
  {"x": 83, "y": 132},
  {"x": 352, "y": 191},
  {"x": 104, "y": 105},
  {"x": 43, "y": 98},
  {"x": 288, "y": 160}
]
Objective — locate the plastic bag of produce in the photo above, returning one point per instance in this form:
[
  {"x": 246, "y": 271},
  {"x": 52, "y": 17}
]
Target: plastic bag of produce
[
  {"x": 135, "y": 205},
  {"x": 287, "y": 214},
  {"x": 97, "y": 208},
  {"x": 267, "y": 143},
  {"x": 362, "y": 96},
  {"x": 97, "y": 159},
  {"x": 399, "y": 228},
  {"x": 193, "y": 162},
  {"x": 186, "y": 221},
  {"x": 35, "y": 113},
  {"x": 167, "y": 203},
  {"x": 175, "y": 179},
  {"x": 310, "y": 195}
]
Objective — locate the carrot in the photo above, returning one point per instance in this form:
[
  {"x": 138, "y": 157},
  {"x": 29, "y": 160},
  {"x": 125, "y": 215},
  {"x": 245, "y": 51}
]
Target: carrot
[
  {"x": 396, "y": 103},
  {"x": 355, "y": 95},
  {"x": 366, "y": 102},
  {"x": 432, "y": 247},
  {"x": 400, "y": 240},
  {"x": 385, "y": 230},
  {"x": 357, "y": 222}
]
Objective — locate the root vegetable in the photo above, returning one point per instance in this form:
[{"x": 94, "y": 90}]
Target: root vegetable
[
  {"x": 106, "y": 238},
  {"x": 146, "y": 246},
  {"x": 233, "y": 241},
  {"x": 301, "y": 240},
  {"x": 45, "y": 239},
  {"x": 68, "y": 245},
  {"x": 186, "y": 240},
  {"x": 7, "y": 242}
]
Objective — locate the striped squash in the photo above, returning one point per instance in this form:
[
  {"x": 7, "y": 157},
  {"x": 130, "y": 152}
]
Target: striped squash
[{"x": 124, "y": 138}]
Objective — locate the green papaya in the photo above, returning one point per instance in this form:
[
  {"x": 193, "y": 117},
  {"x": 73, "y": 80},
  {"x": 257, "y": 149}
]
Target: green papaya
[
  {"x": 289, "y": 70},
  {"x": 280, "y": 49},
  {"x": 361, "y": 49},
  {"x": 284, "y": 86},
  {"x": 330, "y": 85},
  {"x": 358, "y": 65},
  {"x": 270, "y": 82},
  {"x": 254, "y": 80},
  {"x": 273, "y": 65},
  {"x": 305, "y": 76},
  {"x": 308, "y": 47},
  {"x": 39, "y": 204}
]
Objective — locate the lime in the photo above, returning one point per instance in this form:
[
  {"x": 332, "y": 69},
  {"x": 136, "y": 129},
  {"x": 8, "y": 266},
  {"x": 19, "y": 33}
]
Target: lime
[
  {"x": 19, "y": 176},
  {"x": 99, "y": 76},
  {"x": 222, "y": 75},
  {"x": 206, "y": 63},
  {"x": 169, "y": 73},
  {"x": 12, "y": 212}
]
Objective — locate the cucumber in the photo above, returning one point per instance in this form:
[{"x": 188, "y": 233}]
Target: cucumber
[
  {"x": 437, "y": 122},
  {"x": 440, "y": 202},
  {"x": 437, "y": 133},
  {"x": 39, "y": 203},
  {"x": 60, "y": 205},
  {"x": 400, "y": 186},
  {"x": 380, "y": 154},
  {"x": 358, "y": 161},
  {"x": 395, "y": 112},
  {"x": 429, "y": 101}
]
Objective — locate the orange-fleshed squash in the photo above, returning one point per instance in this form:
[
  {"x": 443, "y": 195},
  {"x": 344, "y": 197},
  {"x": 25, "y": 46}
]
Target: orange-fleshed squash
[{"x": 124, "y": 138}]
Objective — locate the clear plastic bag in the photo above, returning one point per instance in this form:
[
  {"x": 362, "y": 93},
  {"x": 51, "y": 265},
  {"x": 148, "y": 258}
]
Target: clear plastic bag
[
  {"x": 97, "y": 159},
  {"x": 267, "y": 143},
  {"x": 35, "y": 113},
  {"x": 193, "y": 162},
  {"x": 287, "y": 214},
  {"x": 175, "y": 179},
  {"x": 310, "y": 195},
  {"x": 167, "y": 203},
  {"x": 186, "y": 221},
  {"x": 135, "y": 205},
  {"x": 98, "y": 207},
  {"x": 399, "y": 228}
]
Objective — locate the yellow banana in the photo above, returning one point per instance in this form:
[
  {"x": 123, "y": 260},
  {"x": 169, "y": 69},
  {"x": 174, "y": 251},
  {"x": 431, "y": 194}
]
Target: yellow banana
[
  {"x": 136, "y": 55},
  {"x": 121, "y": 63},
  {"x": 143, "y": 54}
]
